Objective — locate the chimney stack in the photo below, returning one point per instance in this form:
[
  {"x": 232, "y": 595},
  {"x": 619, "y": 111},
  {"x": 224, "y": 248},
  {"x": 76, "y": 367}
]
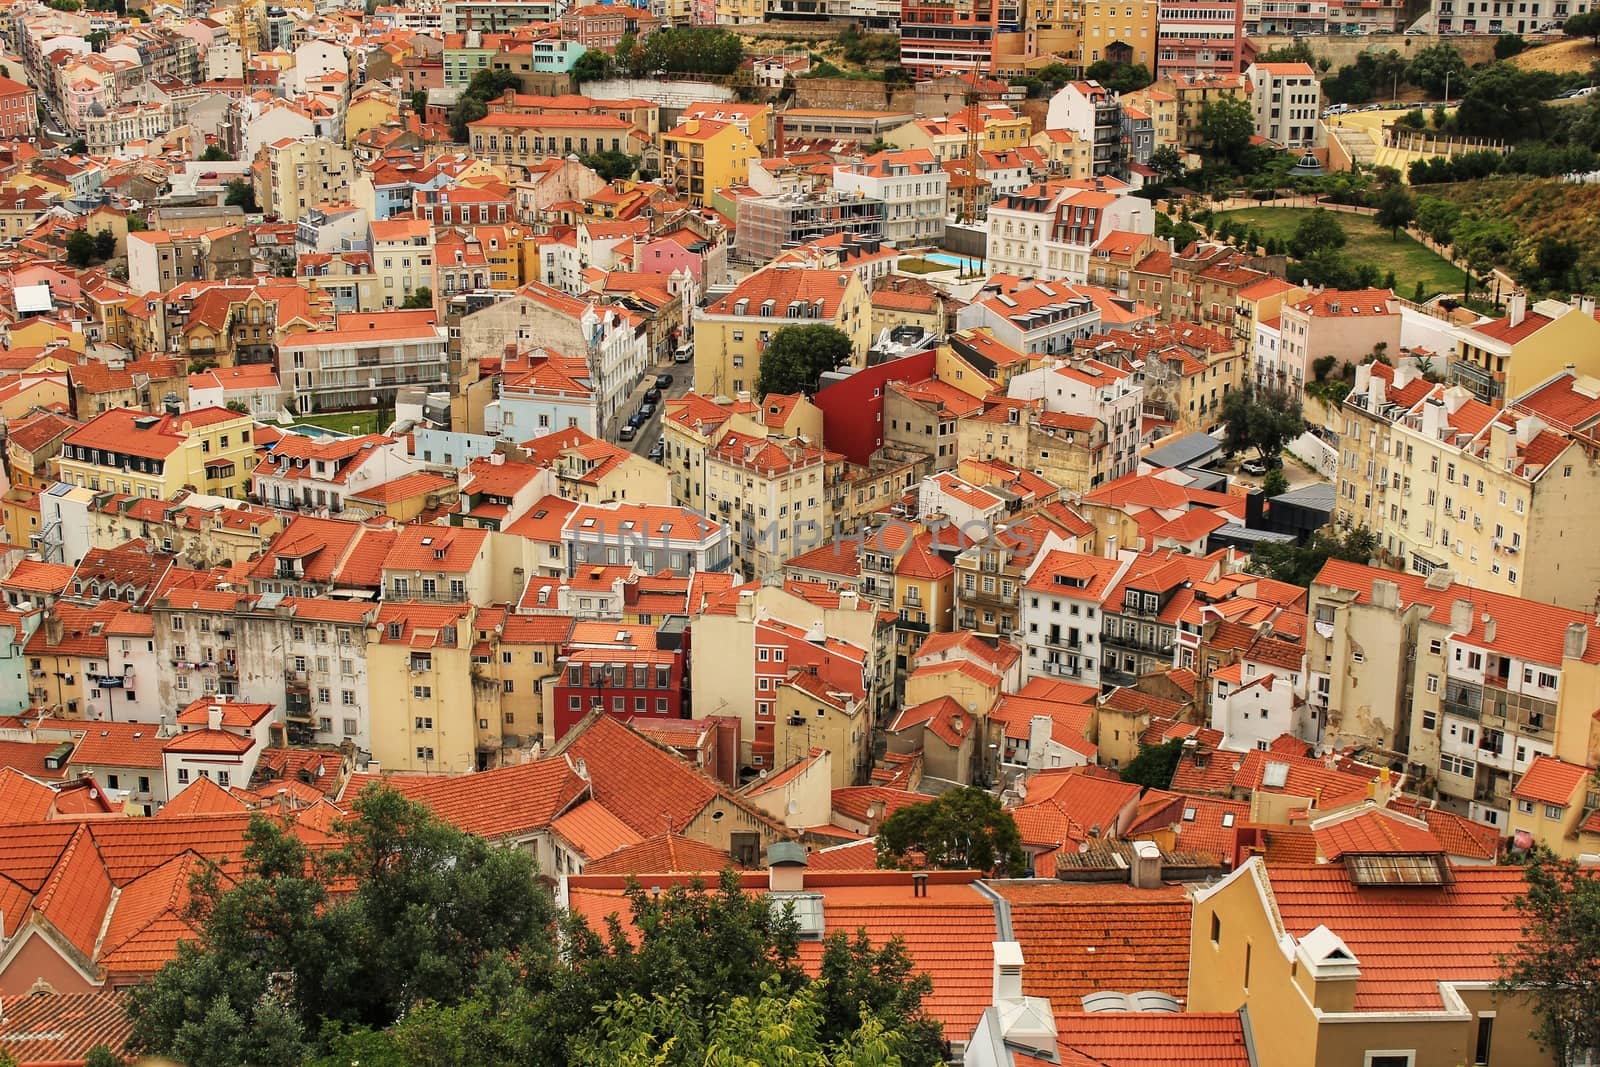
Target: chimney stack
[
  {"x": 1576, "y": 643},
  {"x": 1007, "y": 972},
  {"x": 786, "y": 867},
  {"x": 1146, "y": 872},
  {"x": 1517, "y": 308},
  {"x": 214, "y": 717}
]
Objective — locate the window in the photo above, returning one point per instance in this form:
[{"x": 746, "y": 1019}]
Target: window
[
  {"x": 422, "y": 692},
  {"x": 424, "y": 722},
  {"x": 1430, "y": 720},
  {"x": 350, "y": 727},
  {"x": 223, "y": 779},
  {"x": 1525, "y": 807},
  {"x": 508, "y": 685},
  {"x": 1480, "y": 1056},
  {"x": 424, "y": 753},
  {"x": 1553, "y": 811},
  {"x": 1216, "y": 929},
  {"x": 183, "y": 776},
  {"x": 1433, "y": 683},
  {"x": 1390, "y": 1058}
]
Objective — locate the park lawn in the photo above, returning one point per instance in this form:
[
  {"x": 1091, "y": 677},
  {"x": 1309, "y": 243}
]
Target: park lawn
[
  {"x": 355, "y": 422},
  {"x": 914, "y": 265},
  {"x": 1368, "y": 243}
]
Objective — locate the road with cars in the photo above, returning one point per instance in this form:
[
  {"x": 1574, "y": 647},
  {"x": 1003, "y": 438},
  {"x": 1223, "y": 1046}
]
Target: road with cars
[{"x": 649, "y": 428}]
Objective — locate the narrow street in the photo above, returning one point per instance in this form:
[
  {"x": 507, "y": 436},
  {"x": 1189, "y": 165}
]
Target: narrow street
[{"x": 650, "y": 432}]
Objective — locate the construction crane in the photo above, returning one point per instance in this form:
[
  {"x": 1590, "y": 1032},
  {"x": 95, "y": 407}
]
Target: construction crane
[
  {"x": 969, "y": 192},
  {"x": 243, "y": 30}
]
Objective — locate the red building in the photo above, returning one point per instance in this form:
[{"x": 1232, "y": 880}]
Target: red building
[
  {"x": 19, "y": 110},
  {"x": 626, "y": 682},
  {"x": 852, "y": 409},
  {"x": 952, "y": 36},
  {"x": 601, "y": 26}
]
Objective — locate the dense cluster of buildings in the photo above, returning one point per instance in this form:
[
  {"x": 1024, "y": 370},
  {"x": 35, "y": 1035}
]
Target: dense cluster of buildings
[{"x": 362, "y": 448}]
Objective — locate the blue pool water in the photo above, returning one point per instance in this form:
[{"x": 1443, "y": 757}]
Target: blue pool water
[
  {"x": 965, "y": 262},
  {"x": 313, "y": 431}
]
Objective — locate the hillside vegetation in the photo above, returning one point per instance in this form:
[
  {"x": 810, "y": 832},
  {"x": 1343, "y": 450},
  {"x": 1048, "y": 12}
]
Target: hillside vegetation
[{"x": 1533, "y": 210}]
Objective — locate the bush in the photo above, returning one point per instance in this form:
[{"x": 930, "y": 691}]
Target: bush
[{"x": 1509, "y": 44}]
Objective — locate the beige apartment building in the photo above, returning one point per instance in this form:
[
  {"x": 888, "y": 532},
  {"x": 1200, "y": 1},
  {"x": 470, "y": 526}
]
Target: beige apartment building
[
  {"x": 731, "y": 334},
  {"x": 1446, "y": 481},
  {"x": 293, "y": 175}
]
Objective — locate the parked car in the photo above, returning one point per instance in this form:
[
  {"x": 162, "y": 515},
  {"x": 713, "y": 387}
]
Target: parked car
[
  {"x": 652, "y": 395},
  {"x": 657, "y": 451},
  {"x": 1253, "y": 466},
  {"x": 646, "y": 410},
  {"x": 628, "y": 431},
  {"x": 684, "y": 354},
  {"x": 636, "y": 420},
  {"x": 663, "y": 381}
]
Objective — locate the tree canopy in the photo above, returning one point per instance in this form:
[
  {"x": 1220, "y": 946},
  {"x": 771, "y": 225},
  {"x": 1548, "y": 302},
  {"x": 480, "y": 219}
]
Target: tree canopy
[
  {"x": 797, "y": 356},
  {"x": 1396, "y": 209},
  {"x": 1555, "y": 962},
  {"x": 1299, "y": 564},
  {"x": 1264, "y": 419},
  {"x": 1119, "y": 77},
  {"x": 960, "y": 829},
  {"x": 611, "y": 165},
  {"x": 444, "y": 952},
  {"x": 1227, "y": 125},
  {"x": 1430, "y": 67},
  {"x": 1319, "y": 231},
  {"x": 240, "y": 193},
  {"x": 1153, "y": 767},
  {"x": 472, "y": 105}
]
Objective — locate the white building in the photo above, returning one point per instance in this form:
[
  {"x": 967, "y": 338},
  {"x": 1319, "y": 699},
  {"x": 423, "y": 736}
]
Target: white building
[
  {"x": 913, "y": 188},
  {"x": 1286, "y": 101},
  {"x": 1093, "y": 115},
  {"x": 220, "y": 739},
  {"x": 363, "y": 361},
  {"x": 1063, "y": 601},
  {"x": 1049, "y": 231},
  {"x": 652, "y": 536},
  {"x": 1091, "y": 389},
  {"x": 317, "y": 473},
  {"x": 1036, "y": 318}
]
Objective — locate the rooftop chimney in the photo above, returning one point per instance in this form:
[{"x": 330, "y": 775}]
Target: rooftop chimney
[
  {"x": 786, "y": 867},
  {"x": 1146, "y": 865},
  {"x": 1488, "y": 628},
  {"x": 1576, "y": 643},
  {"x": 1460, "y": 616},
  {"x": 1517, "y": 308},
  {"x": 1007, "y": 972},
  {"x": 214, "y": 717}
]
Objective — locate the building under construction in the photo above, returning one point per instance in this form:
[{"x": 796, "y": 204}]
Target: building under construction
[{"x": 770, "y": 224}]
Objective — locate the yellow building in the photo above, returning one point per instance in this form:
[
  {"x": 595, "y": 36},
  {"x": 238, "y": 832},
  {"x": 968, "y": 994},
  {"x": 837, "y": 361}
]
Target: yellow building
[
  {"x": 699, "y": 156},
  {"x": 1162, "y": 107},
  {"x": 1555, "y": 804},
  {"x": 774, "y": 494},
  {"x": 371, "y": 107},
  {"x": 1500, "y": 360},
  {"x": 755, "y": 121},
  {"x": 740, "y": 12},
  {"x": 208, "y": 450},
  {"x": 1258, "y": 302},
  {"x": 1120, "y": 32},
  {"x": 1066, "y": 155},
  {"x": 1447, "y": 482},
  {"x": 294, "y": 174},
  {"x": 42, "y": 332},
  {"x": 65, "y": 654},
  {"x": 422, "y": 692},
  {"x": 731, "y": 334},
  {"x": 402, "y": 256},
  {"x": 812, "y": 714},
  {"x": 1335, "y": 973}
]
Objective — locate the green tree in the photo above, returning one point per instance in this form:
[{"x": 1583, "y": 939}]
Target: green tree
[
  {"x": 1556, "y": 258},
  {"x": 1509, "y": 44},
  {"x": 1554, "y": 963},
  {"x": 1396, "y": 209},
  {"x": 612, "y": 165},
  {"x": 592, "y": 66},
  {"x": 1226, "y": 125},
  {"x": 1054, "y": 75},
  {"x": 214, "y": 153},
  {"x": 419, "y": 101},
  {"x": 1508, "y": 103},
  {"x": 1262, "y": 419},
  {"x": 797, "y": 357},
  {"x": 861, "y": 980},
  {"x": 1167, "y": 164},
  {"x": 1584, "y": 24},
  {"x": 242, "y": 194},
  {"x": 105, "y": 245},
  {"x": 102, "y": 1056},
  {"x": 1154, "y": 765},
  {"x": 486, "y": 85},
  {"x": 421, "y": 298},
  {"x": 278, "y": 955},
  {"x": 1319, "y": 231},
  {"x": 1274, "y": 483},
  {"x": 1119, "y": 77},
  {"x": 1430, "y": 66},
  {"x": 1300, "y": 564},
  {"x": 1298, "y": 52},
  {"x": 960, "y": 829},
  {"x": 1437, "y": 218},
  {"x": 80, "y": 249}
]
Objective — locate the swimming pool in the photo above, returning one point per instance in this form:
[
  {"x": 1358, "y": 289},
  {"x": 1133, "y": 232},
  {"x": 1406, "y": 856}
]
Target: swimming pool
[
  {"x": 308, "y": 430},
  {"x": 961, "y": 262}
]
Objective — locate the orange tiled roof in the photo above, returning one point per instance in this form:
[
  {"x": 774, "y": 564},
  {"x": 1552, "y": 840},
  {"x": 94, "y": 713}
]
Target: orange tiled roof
[
  {"x": 593, "y": 830},
  {"x": 1551, "y": 781},
  {"x": 662, "y": 854},
  {"x": 1153, "y": 1039},
  {"x": 1079, "y": 938}
]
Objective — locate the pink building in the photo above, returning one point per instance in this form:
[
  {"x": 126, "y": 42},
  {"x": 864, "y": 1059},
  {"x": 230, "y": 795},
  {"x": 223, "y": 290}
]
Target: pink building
[{"x": 1201, "y": 36}]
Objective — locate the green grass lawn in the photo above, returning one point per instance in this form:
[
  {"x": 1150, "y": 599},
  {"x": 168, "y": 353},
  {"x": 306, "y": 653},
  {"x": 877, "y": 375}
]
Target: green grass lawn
[
  {"x": 913, "y": 265},
  {"x": 1410, "y": 261},
  {"x": 343, "y": 421}
]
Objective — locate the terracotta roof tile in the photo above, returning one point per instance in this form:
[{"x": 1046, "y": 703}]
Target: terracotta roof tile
[
  {"x": 662, "y": 854},
  {"x": 61, "y": 1028},
  {"x": 593, "y": 830},
  {"x": 1153, "y": 1039},
  {"x": 1079, "y": 938},
  {"x": 1551, "y": 781}
]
